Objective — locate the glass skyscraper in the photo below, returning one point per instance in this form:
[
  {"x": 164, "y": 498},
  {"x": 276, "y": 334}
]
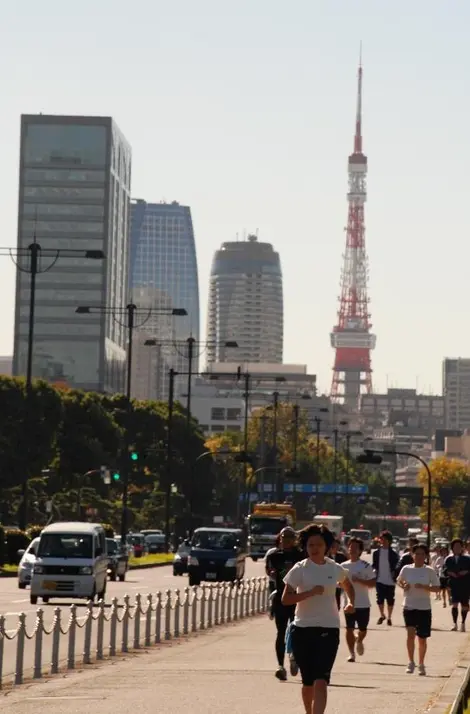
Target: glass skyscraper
[
  {"x": 163, "y": 270},
  {"x": 246, "y": 303},
  {"x": 74, "y": 192}
]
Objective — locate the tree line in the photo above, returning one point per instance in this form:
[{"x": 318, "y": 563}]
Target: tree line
[{"x": 55, "y": 435}]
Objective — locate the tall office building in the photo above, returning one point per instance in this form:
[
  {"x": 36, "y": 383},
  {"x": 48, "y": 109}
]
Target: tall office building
[
  {"x": 456, "y": 392},
  {"x": 246, "y": 303},
  {"x": 163, "y": 275},
  {"x": 74, "y": 193}
]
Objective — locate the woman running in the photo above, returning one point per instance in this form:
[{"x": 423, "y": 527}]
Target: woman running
[
  {"x": 311, "y": 586},
  {"x": 418, "y": 582},
  {"x": 278, "y": 564}
]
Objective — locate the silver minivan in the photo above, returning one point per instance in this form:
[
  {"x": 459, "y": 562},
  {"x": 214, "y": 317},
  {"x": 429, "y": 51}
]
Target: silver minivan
[{"x": 71, "y": 562}]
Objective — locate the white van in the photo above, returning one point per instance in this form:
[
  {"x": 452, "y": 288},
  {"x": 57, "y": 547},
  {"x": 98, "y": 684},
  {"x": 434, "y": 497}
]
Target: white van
[{"x": 71, "y": 562}]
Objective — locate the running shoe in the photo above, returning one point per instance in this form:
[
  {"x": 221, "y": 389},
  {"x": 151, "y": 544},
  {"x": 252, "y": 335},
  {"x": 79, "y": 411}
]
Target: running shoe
[
  {"x": 462, "y": 627},
  {"x": 360, "y": 648},
  {"x": 281, "y": 674},
  {"x": 421, "y": 670},
  {"x": 294, "y": 667},
  {"x": 381, "y": 619},
  {"x": 389, "y": 622},
  {"x": 411, "y": 668},
  {"x": 351, "y": 658}
]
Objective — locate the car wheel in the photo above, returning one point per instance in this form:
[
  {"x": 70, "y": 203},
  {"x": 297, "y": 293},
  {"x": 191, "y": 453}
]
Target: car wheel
[
  {"x": 112, "y": 577},
  {"x": 193, "y": 581},
  {"x": 22, "y": 586},
  {"x": 255, "y": 560},
  {"x": 45, "y": 600},
  {"x": 33, "y": 599},
  {"x": 122, "y": 577}
]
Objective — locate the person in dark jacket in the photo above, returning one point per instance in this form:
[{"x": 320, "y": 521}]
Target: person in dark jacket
[
  {"x": 407, "y": 557},
  {"x": 384, "y": 562},
  {"x": 457, "y": 569}
]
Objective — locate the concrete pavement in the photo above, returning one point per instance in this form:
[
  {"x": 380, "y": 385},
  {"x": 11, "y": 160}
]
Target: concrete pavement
[
  {"x": 231, "y": 669},
  {"x": 146, "y": 581}
]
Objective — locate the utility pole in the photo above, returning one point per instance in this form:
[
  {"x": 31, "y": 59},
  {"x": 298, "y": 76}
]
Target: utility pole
[
  {"x": 296, "y": 440},
  {"x": 169, "y": 460},
  {"x": 278, "y": 475},
  {"x": 191, "y": 342},
  {"x": 246, "y": 398}
]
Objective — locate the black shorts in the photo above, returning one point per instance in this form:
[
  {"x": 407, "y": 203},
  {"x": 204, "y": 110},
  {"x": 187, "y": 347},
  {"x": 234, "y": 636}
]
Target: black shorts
[
  {"x": 420, "y": 620},
  {"x": 314, "y": 650},
  {"x": 385, "y": 593},
  {"x": 444, "y": 583},
  {"x": 360, "y": 619},
  {"x": 459, "y": 596}
]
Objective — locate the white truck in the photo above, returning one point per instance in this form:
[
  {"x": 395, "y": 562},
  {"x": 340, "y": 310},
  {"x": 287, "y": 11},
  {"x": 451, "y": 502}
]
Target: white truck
[{"x": 333, "y": 523}]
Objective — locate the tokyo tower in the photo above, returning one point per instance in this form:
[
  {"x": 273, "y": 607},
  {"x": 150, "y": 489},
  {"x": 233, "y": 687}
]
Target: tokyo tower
[{"x": 351, "y": 338}]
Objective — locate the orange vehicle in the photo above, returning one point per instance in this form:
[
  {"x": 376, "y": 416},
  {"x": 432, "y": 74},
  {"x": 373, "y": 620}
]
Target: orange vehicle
[{"x": 264, "y": 524}]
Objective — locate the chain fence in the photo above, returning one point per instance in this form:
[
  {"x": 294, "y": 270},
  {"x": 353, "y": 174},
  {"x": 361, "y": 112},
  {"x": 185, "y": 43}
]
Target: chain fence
[{"x": 119, "y": 627}]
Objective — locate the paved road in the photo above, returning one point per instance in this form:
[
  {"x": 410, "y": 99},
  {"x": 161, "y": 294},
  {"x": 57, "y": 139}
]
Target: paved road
[
  {"x": 146, "y": 581},
  {"x": 231, "y": 669}
]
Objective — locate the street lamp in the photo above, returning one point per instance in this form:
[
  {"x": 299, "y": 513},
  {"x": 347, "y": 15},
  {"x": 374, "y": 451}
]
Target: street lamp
[
  {"x": 34, "y": 252},
  {"x": 191, "y": 343},
  {"x": 373, "y": 456},
  {"x": 130, "y": 311}
]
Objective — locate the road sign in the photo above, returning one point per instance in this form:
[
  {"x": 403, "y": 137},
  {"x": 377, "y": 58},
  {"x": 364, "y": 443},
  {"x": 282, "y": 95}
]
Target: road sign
[{"x": 325, "y": 488}]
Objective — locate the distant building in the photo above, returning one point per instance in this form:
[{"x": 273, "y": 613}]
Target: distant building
[
  {"x": 74, "y": 193},
  {"x": 6, "y": 365},
  {"x": 456, "y": 391},
  {"x": 163, "y": 274},
  {"x": 421, "y": 414},
  {"x": 246, "y": 303}
]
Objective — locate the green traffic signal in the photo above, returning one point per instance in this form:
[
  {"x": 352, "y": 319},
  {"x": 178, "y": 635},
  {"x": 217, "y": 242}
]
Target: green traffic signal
[
  {"x": 134, "y": 456},
  {"x": 116, "y": 477}
]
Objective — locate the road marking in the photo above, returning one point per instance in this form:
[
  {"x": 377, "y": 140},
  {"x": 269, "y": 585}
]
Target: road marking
[{"x": 25, "y": 599}]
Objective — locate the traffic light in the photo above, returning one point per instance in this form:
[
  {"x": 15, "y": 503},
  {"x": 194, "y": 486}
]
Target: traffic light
[
  {"x": 362, "y": 499},
  {"x": 116, "y": 476},
  {"x": 134, "y": 456},
  {"x": 369, "y": 457}
]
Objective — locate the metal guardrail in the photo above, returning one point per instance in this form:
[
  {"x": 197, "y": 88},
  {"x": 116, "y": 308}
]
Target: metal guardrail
[
  {"x": 165, "y": 616},
  {"x": 460, "y": 703}
]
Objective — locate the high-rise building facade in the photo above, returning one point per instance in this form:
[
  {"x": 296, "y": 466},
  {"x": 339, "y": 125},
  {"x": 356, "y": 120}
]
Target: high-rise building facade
[
  {"x": 163, "y": 275},
  {"x": 456, "y": 392},
  {"x": 74, "y": 193},
  {"x": 246, "y": 303}
]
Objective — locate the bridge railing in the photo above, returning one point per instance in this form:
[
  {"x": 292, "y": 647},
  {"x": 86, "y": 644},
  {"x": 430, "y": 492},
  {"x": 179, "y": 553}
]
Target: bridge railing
[{"x": 105, "y": 630}]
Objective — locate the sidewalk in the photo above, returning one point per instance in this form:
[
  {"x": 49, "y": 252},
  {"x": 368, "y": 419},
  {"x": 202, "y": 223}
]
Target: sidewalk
[{"x": 231, "y": 669}]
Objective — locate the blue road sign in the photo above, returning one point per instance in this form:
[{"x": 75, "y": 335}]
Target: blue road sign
[{"x": 326, "y": 488}]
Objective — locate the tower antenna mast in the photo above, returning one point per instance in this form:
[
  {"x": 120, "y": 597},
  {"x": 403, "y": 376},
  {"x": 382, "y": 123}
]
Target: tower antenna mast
[{"x": 351, "y": 337}]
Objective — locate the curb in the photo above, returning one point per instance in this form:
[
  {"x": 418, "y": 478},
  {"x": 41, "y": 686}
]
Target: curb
[
  {"x": 144, "y": 566},
  {"x": 449, "y": 692}
]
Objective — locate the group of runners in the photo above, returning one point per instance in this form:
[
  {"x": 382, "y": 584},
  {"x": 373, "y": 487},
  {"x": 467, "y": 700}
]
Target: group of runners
[{"x": 312, "y": 580}]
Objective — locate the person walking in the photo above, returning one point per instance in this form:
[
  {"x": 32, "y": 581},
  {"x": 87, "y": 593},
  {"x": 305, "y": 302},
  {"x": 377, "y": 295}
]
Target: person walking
[
  {"x": 438, "y": 566},
  {"x": 310, "y": 586},
  {"x": 407, "y": 557},
  {"x": 457, "y": 569},
  {"x": 384, "y": 562},
  {"x": 271, "y": 576},
  {"x": 418, "y": 582},
  {"x": 363, "y": 578},
  {"x": 278, "y": 564}
]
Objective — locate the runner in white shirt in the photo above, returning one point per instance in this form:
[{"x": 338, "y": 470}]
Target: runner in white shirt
[
  {"x": 362, "y": 576},
  {"x": 311, "y": 586},
  {"x": 418, "y": 582}
]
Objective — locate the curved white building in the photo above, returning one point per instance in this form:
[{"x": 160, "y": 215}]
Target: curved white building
[{"x": 246, "y": 303}]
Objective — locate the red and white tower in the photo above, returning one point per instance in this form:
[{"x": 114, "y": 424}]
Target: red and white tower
[{"x": 351, "y": 338}]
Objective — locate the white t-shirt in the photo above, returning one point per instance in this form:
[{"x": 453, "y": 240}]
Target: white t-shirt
[
  {"x": 362, "y": 570},
  {"x": 416, "y": 599},
  {"x": 384, "y": 575},
  {"x": 318, "y": 610}
]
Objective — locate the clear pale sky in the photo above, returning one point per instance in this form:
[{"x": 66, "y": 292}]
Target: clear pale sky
[{"x": 245, "y": 112}]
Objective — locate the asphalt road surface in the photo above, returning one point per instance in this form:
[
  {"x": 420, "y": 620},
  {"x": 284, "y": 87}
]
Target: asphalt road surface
[{"x": 14, "y": 601}]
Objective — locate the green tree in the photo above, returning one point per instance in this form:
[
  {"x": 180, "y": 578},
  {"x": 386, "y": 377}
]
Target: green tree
[{"x": 448, "y": 473}]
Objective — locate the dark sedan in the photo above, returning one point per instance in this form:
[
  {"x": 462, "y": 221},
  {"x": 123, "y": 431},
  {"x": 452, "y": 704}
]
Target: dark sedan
[
  {"x": 217, "y": 555},
  {"x": 118, "y": 560},
  {"x": 180, "y": 561}
]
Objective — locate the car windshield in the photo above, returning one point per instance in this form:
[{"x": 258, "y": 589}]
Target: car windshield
[
  {"x": 268, "y": 526},
  {"x": 65, "y": 545},
  {"x": 111, "y": 546},
  {"x": 214, "y": 540}
]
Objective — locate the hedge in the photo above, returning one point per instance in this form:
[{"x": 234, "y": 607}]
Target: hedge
[{"x": 15, "y": 540}]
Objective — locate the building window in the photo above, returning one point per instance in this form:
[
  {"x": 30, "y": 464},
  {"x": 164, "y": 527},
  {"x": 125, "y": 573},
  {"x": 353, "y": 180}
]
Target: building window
[
  {"x": 233, "y": 414},
  {"x": 217, "y": 428},
  {"x": 217, "y": 413}
]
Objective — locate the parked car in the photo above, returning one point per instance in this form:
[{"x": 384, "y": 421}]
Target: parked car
[
  {"x": 137, "y": 541},
  {"x": 118, "y": 560},
  {"x": 155, "y": 543},
  {"x": 216, "y": 554},
  {"x": 25, "y": 568},
  {"x": 180, "y": 561}
]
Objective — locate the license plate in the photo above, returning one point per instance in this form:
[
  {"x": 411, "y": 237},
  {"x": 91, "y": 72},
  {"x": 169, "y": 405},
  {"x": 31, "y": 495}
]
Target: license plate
[
  {"x": 49, "y": 585},
  {"x": 211, "y": 576}
]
